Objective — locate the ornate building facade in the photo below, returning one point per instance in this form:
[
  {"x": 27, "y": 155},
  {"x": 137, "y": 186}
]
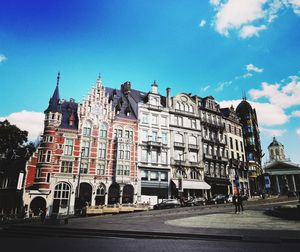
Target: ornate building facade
[
  {"x": 248, "y": 119},
  {"x": 87, "y": 155},
  {"x": 215, "y": 149},
  {"x": 237, "y": 167}
]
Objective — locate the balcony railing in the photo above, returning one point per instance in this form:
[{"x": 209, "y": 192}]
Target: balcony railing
[
  {"x": 193, "y": 146},
  {"x": 155, "y": 143},
  {"x": 178, "y": 144}
]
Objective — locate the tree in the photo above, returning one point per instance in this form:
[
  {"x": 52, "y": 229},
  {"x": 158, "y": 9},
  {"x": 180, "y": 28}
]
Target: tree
[{"x": 11, "y": 137}]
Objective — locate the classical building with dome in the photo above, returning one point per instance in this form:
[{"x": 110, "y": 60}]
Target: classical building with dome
[{"x": 283, "y": 174}]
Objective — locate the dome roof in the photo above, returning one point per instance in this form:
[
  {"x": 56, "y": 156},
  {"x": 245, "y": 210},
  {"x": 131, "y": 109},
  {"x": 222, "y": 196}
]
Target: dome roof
[
  {"x": 243, "y": 106},
  {"x": 275, "y": 143}
]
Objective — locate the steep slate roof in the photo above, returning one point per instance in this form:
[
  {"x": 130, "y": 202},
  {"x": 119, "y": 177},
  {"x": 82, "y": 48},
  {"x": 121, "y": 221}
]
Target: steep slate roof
[
  {"x": 69, "y": 111},
  {"x": 121, "y": 102}
]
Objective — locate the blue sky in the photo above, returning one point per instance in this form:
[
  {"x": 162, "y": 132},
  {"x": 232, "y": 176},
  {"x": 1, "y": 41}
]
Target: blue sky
[{"x": 218, "y": 48}]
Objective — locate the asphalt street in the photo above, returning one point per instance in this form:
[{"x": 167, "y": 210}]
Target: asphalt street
[{"x": 203, "y": 228}]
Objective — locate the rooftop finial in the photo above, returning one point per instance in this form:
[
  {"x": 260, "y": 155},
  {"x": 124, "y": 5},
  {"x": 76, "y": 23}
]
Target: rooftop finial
[
  {"x": 244, "y": 95},
  {"x": 99, "y": 76},
  {"x": 58, "y": 77}
]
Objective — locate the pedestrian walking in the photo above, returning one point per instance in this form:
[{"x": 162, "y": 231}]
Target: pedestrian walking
[
  {"x": 240, "y": 202},
  {"x": 235, "y": 203}
]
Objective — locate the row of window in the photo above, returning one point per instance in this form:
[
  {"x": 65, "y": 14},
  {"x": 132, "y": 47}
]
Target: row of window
[
  {"x": 215, "y": 169},
  {"x": 215, "y": 150},
  {"x": 154, "y": 157},
  {"x": 185, "y": 122},
  {"x": 153, "y": 136},
  {"x": 67, "y": 167},
  {"x": 234, "y": 130},
  {"x": 236, "y": 144},
  {"x": 147, "y": 175},
  {"x": 154, "y": 119},
  {"x": 194, "y": 174}
]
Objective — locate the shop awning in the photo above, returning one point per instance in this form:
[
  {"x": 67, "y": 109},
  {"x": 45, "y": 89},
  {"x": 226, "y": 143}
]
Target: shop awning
[{"x": 192, "y": 184}]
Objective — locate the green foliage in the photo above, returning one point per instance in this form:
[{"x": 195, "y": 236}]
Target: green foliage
[{"x": 11, "y": 137}]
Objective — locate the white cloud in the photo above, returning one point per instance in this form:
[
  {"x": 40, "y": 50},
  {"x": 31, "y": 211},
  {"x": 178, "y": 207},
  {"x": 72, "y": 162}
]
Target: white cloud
[
  {"x": 204, "y": 89},
  {"x": 273, "y": 132},
  {"x": 249, "y": 31},
  {"x": 33, "y": 122},
  {"x": 251, "y": 67},
  {"x": 222, "y": 85},
  {"x": 2, "y": 58},
  {"x": 267, "y": 113},
  {"x": 248, "y": 17},
  {"x": 296, "y": 113},
  {"x": 233, "y": 14},
  {"x": 298, "y": 131},
  {"x": 202, "y": 23},
  {"x": 280, "y": 95}
]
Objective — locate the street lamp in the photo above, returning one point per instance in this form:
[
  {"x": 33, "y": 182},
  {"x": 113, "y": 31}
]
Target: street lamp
[
  {"x": 78, "y": 180},
  {"x": 180, "y": 187}
]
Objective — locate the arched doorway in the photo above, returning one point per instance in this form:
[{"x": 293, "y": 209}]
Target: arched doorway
[
  {"x": 128, "y": 191},
  {"x": 100, "y": 195},
  {"x": 61, "y": 198},
  {"x": 36, "y": 204},
  {"x": 113, "y": 194},
  {"x": 85, "y": 195}
]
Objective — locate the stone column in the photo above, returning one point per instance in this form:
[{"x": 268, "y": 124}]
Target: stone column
[
  {"x": 121, "y": 194},
  {"x": 277, "y": 183},
  {"x": 294, "y": 183}
]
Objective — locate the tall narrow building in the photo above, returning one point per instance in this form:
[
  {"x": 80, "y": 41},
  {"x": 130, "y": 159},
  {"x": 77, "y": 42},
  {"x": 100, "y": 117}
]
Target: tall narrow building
[{"x": 253, "y": 151}]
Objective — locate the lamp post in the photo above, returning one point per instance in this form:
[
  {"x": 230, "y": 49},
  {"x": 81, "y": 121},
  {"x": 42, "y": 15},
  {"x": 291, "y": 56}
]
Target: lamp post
[
  {"x": 180, "y": 186},
  {"x": 78, "y": 180}
]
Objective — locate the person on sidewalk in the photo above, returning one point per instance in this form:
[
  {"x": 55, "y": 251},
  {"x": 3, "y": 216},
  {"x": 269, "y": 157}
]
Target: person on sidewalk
[
  {"x": 240, "y": 202},
  {"x": 235, "y": 203}
]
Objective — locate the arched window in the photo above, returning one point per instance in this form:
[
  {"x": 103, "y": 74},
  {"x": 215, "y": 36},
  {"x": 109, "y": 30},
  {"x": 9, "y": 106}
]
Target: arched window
[
  {"x": 61, "y": 194},
  {"x": 179, "y": 138},
  {"x": 101, "y": 190},
  {"x": 177, "y": 105},
  {"x": 87, "y": 129},
  {"x": 192, "y": 140},
  {"x": 103, "y": 131}
]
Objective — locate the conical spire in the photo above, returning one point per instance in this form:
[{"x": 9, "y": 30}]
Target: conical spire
[{"x": 54, "y": 105}]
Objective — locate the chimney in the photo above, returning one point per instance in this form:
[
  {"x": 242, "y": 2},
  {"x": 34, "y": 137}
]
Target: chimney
[{"x": 168, "y": 100}]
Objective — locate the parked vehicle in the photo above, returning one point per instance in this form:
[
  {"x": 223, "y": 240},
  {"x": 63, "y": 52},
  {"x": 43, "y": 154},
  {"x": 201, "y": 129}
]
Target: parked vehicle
[
  {"x": 219, "y": 199},
  {"x": 199, "y": 201},
  {"x": 169, "y": 203}
]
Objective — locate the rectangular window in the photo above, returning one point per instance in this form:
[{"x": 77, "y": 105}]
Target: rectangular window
[
  {"x": 48, "y": 157},
  {"x": 154, "y": 156},
  {"x": 164, "y": 121},
  {"x": 154, "y": 176},
  {"x": 193, "y": 124},
  {"x": 66, "y": 166},
  {"x": 164, "y": 137},
  {"x": 144, "y": 135},
  {"x": 120, "y": 170},
  {"x": 85, "y": 148},
  {"x": 144, "y": 175},
  {"x": 231, "y": 143},
  {"x": 154, "y": 136},
  {"x": 120, "y": 154},
  {"x": 164, "y": 157},
  {"x": 236, "y": 144},
  {"x": 242, "y": 149},
  {"x": 154, "y": 119},
  {"x": 84, "y": 168},
  {"x": 128, "y": 134},
  {"x": 102, "y": 150},
  {"x": 127, "y": 155},
  {"x": 163, "y": 176},
  {"x": 68, "y": 147},
  {"x": 145, "y": 118},
  {"x": 126, "y": 170},
  {"x": 144, "y": 155},
  {"x": 193, "y": 156},
  {"x": 100, "y": 169}
]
